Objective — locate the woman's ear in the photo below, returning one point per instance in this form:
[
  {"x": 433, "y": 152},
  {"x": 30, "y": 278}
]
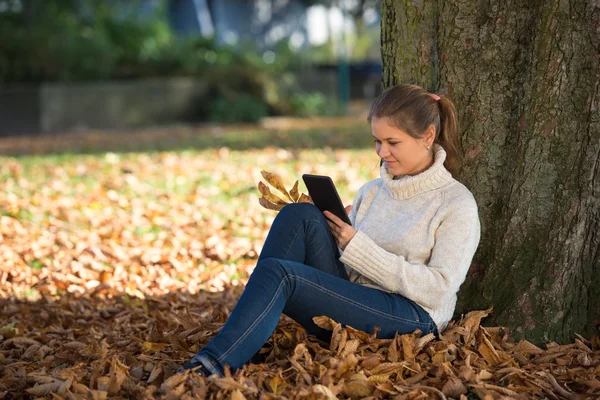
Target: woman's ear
[{"x": 429, "y": 136}]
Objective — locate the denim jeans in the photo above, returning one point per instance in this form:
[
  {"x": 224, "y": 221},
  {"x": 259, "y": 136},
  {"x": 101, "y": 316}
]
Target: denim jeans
[{"x": 299, "y": 274}]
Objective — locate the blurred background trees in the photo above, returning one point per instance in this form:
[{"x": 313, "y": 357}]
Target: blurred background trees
[{"x": 257, "y": 57}]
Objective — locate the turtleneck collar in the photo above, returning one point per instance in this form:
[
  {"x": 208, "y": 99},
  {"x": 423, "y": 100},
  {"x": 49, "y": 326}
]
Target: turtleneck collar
[{"x": 405, "y": 186}]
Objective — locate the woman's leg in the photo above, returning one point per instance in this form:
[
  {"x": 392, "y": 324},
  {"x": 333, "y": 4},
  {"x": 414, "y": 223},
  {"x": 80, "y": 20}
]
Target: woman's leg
[
  {"x": 300, "y": 233},
  {"x": 303, "y": 292}
]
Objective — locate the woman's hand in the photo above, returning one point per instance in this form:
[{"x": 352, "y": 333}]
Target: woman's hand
[{"x": 342, "y": 232}]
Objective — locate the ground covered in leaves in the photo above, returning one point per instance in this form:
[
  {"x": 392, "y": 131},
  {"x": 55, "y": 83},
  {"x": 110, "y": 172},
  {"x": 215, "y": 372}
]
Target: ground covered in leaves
[{"x": 117, "y": 268}]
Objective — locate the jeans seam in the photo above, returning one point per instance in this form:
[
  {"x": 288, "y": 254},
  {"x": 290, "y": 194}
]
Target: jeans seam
[
  {"x": 332, "y": 250},
  {"x": 290, "y": 245},
  {"x": 392, "y": 317},
  {"x": 255, "y": 323}
]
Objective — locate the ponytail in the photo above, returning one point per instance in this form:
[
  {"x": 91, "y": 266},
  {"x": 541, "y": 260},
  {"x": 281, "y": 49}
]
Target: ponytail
[{"x": 448, "y": 135}]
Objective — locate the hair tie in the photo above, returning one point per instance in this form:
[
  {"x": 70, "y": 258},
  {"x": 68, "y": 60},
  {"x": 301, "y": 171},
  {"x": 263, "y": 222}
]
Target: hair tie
[{"x": 435, "y": 96}]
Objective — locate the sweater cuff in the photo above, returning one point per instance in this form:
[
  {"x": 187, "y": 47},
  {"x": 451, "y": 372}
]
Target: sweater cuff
[{"x": 354, "y": 254}]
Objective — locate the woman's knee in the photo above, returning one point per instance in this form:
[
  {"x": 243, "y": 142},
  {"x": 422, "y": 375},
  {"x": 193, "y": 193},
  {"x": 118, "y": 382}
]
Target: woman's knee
[
  {"x": 299, "y": 212},
  {"x": 271, "y": 266}
]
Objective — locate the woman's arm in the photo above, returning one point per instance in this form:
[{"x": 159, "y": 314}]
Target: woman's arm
[{"x": 456, "y": 240}]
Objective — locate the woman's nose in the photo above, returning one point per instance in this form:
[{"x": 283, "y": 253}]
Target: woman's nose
[{"x": 383, "y": 151}]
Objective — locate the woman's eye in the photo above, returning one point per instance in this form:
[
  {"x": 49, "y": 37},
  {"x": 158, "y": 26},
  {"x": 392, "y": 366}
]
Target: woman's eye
[
  {"x": 394, "y": 143},
  {"x": 376, "y": 141}
]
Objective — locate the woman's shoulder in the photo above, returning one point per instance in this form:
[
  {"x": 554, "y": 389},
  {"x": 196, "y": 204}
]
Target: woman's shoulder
[
  {"x": 369, "y": 186},
  {"x": 457, "y": 194}
]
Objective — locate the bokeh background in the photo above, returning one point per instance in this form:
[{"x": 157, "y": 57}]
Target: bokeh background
[{"x": 80, "y": 65}]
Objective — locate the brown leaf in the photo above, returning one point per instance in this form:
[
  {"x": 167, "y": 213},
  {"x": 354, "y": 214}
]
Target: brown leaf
[
  {"x": 276, "y": 181},
  {"x": 294, "y": 192},
  {"x": 486, "y": 349},
  {"x": 237, "y": 395},
  {"x": 357, "y": 389},
  {"x": 454, "y": 387},
  {"x": 270, "y": 206},
  {"x": 155, "y": 374},
  {"x": 347, "y": 364},
  {"x": 408, "y": 345},
  {"x": 303, "y": 199},
  {"x": 45, "y": 388},
  {"x": 371, "y": 362},
  {"x": 471, "y": 322},
  {"x": 499, "y": 389},
  {"x": 266, "y": 193},
  {"x": 323, "y": 392},
  {"x": 393, "y": 354},
  {"x": 324, "y": 322},
  {"x": 525, "y": 347},
  {"x": 118, "y": 374}
]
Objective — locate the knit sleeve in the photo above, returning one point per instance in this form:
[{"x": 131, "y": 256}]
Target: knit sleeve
[
  {"x": 355, "y": 206},
  {"x": 429, "y": 285}
]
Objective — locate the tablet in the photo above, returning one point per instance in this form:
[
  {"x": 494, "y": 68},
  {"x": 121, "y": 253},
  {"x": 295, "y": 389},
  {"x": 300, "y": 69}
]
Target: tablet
[{"x": 324, "y": 195}]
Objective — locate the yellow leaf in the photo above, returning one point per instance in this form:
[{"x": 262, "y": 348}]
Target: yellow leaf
[
  {"x": 275, "y": 383},
  {"x": 275, "y": 181},
  {"x": 150, "y": 346}
]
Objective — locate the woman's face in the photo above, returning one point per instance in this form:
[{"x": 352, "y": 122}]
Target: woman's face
[{"x": 401, "y": 153}]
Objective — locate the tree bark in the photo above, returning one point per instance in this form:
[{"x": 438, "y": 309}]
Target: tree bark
[{"x": 525, "y": 78}]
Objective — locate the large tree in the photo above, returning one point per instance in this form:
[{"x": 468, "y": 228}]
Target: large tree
[{"x": 525, "y": 77}]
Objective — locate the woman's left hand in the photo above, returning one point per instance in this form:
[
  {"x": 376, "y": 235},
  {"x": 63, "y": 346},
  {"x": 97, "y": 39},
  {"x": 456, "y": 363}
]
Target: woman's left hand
[{"x": 342, "y": 232}]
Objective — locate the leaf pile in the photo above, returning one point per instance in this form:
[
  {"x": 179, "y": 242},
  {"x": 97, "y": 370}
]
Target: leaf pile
[
  {"x": 271, "y": 201},
  {"x": 115, "y": 270}
]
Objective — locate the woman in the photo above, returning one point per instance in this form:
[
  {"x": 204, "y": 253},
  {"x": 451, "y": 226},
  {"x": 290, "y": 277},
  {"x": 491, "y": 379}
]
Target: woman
[{"x": 413, "y": 235}]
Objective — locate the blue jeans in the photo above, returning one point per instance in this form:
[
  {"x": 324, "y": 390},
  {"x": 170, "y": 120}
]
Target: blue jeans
[{"x": 299, "y": 274}]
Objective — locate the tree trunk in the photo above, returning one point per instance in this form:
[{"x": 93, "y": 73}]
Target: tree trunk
[{"x": 525, "y": 77}]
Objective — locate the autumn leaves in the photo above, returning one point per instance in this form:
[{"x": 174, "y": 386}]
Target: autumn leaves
[{"x": 271, "y": 201}]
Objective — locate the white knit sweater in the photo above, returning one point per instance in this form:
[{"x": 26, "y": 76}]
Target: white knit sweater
[{"x": 416, "y": 236}]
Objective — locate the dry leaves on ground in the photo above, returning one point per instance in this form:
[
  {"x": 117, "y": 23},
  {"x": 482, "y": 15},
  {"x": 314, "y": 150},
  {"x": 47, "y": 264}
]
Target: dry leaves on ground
[{"x": 114, "y": 271}]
